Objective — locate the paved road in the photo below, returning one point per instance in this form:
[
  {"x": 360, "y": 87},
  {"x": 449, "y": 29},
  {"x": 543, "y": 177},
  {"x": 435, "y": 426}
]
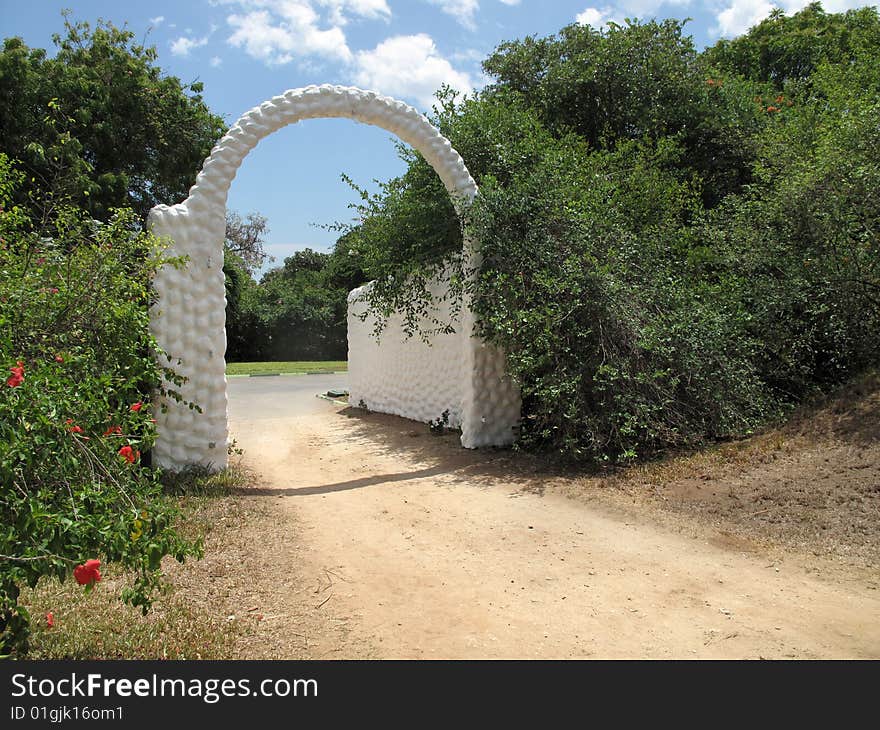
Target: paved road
[{"x": 280, "y": 396}]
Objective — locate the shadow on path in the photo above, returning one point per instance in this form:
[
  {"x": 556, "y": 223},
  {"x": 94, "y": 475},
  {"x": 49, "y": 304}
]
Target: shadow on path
[{"x": 340, "y": 486}]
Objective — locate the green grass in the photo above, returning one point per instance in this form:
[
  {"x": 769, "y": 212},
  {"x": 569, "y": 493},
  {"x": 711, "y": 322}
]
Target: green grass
[{"x": 269, "y": 368}]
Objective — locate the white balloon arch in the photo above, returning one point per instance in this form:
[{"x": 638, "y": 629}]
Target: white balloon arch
[{"x": 188, "y": 319}]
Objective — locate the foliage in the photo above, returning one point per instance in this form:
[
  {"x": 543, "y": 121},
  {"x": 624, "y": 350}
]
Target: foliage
[
  {"x": 244, "y": 334},
  {"x": 245, "y": 238},
  {"x": 439, "y": 425},
  {"x": 101, "y": 111},
  {"x": 303, "y": 313},
  {"x": 676, "y": 247},
  {"x": 785, "y": 49},
  {"x": 587, "y": 288},
  {"x": 75, "y": 430},
  {"x": 632, "y": 82},
  {"x": 297, "y": 312}
]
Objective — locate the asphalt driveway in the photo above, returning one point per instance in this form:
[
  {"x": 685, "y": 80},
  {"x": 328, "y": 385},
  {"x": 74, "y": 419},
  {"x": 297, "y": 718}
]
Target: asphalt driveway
[{"x": 279, "y": 396}]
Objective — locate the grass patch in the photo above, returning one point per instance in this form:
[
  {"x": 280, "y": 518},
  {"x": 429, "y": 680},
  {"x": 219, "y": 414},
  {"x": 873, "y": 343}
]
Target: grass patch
[
  {"x": 283, "y": 368},
  {"x": 97, "y": 625}
]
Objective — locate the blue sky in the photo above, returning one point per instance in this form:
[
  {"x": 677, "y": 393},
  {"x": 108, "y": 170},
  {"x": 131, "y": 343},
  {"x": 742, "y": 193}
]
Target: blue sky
[{"x": 246, "y": 51}]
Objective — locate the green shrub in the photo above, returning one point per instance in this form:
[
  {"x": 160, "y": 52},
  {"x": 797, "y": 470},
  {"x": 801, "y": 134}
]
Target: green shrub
[
  {"x": 676, "y": 247},
  {"x": 75, "y": 424},
  {"x": 622, "y": 347}
]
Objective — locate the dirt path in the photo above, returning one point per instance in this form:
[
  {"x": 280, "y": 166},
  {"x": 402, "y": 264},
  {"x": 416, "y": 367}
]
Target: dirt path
[{"x": 380, "y": 540}]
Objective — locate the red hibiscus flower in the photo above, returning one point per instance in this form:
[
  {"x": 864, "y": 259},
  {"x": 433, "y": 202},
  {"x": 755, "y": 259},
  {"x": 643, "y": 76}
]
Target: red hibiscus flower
[
  {"x": 113, "y": 430},
  {"x": 58, "y": 358},
  {"x": 137, "y": 406},
  {"x": 17, "y": 377},
  {"x": 87, "y": 574},
  {"x": 50, "y": 620},
  {"x": 129, "y": 454}
]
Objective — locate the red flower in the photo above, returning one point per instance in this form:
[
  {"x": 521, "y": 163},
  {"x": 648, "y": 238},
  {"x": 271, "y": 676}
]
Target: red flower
[
  {"x": 771, "y": 109},
  {"x": 129, "y": 454},
  {"x": 54, "y": 290},
  {"x": 58, "y": 358},
  {"x": 113, "y": 430},
  {"x": 50, "y": 620},
  {"x": 137, "y": 406},
  {"x": 17, "y": 377},
  {"x": 75, "y": 429},
  {"x": 87, "y": 574}
]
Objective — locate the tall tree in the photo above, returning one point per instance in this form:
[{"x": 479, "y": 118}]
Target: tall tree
[
  {"x": 788, "y": 48},
  {"x": 102, "y": 111},
  {"x": 246, "y": 238},
  {"x": 633, "y": 82}
]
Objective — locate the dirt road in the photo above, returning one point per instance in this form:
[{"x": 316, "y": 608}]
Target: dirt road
[{"x": 380, "y": 540}]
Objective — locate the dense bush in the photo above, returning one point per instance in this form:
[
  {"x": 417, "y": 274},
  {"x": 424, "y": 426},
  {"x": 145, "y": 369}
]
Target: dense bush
[
  {"x": 676, "y": 246},
  {"x": 75, "y": 427}
]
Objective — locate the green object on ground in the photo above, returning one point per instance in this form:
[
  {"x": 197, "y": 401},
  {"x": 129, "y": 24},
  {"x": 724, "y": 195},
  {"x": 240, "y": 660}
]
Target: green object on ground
[{"x": 275, "y": 368}]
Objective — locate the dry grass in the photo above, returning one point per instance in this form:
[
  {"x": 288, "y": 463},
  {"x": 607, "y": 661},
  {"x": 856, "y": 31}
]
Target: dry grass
[
  {"x": 848, "y": 414},
  {"x": 97, "y": 625},
  {"x": 811, "y": 485}
]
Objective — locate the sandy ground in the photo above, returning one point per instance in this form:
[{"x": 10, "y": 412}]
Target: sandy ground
[{"x": 368, "y": 537}]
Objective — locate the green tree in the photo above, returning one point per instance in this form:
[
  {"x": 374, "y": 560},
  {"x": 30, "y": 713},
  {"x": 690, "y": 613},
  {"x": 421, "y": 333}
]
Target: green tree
[
  {"x": 631, "y": 82},
  {"x": 672, "y": 253},
  {"x": 784, "y": 49},
  {"x": 243, "y": 254},
  {"x": 301, "y": 314},
  {"x": 101, "y": 110}
]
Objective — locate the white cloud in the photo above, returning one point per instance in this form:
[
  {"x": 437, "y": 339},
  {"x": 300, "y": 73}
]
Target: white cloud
[
  {"x": 597, "y": 18},
  {"x": 278, "y": 40},
  {"x": 216, "y": 62},
  {"x": 740, "y": 15},
  {"x": 368, "y": 9},
  {"x": 510, "y": 2},
  {"x": 469, "y": 55},
  {"x": 462, "y": 10},
  {"x": 279, "y": 31},
  {"x": 157, "y": 21},
  {"x": 183, "y": 45},
  {"x": 642, "y": 9},
  {"x": 408, "y": 66}
]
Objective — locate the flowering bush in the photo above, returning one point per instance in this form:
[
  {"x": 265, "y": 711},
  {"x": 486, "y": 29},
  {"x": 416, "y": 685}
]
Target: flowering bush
[
  {"x": 74, "y": 417},
  {"x": 88, "y": 574}
]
